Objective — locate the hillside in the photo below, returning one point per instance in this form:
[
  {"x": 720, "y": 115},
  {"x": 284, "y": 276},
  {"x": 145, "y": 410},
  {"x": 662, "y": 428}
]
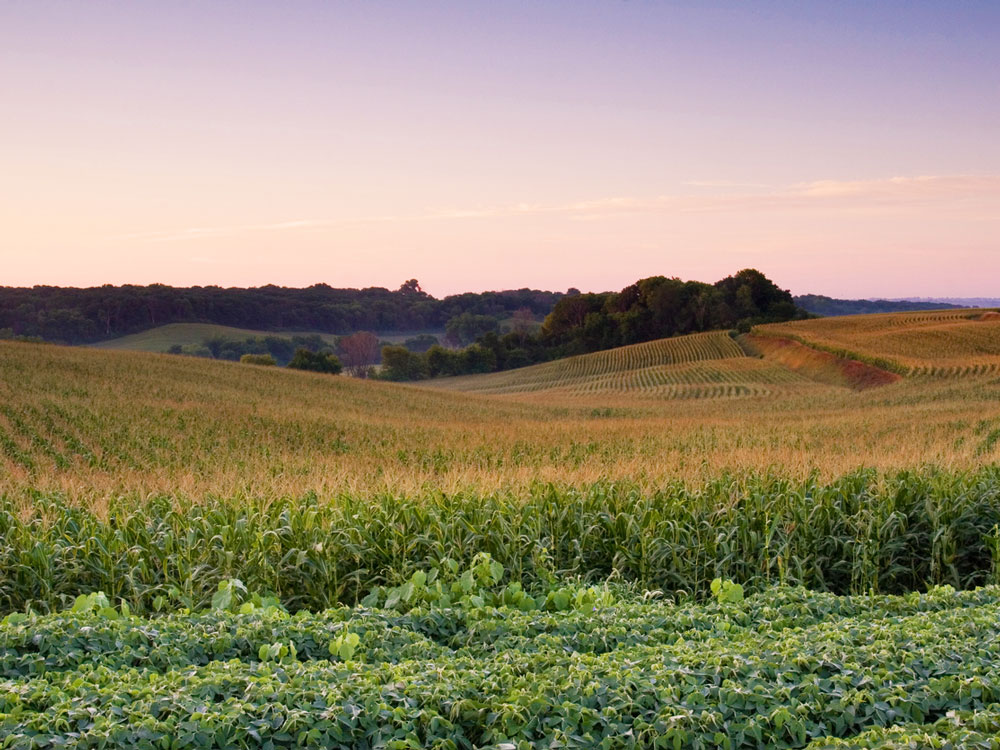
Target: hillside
[
  {"x": 701, "y": 365},
  {"x": 854, "y": 352},
  {"x": 161, "y": 338},
  {"x": 939, "y": 344},
  {"x": 91, "y": 423}
]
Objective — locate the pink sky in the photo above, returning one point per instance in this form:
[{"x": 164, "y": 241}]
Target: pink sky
[{"x": 840, "y": 148}]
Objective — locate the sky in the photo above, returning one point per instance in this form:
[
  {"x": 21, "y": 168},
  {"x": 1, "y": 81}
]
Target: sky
[{"x": 842, "y": 148}]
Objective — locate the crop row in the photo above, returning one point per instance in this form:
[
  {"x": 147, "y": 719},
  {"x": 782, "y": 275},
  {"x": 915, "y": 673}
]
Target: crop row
[
  {"x": 780, "y": 670},
  {"x": 744, "y": 371},
  {"x": 575, "y": 370},
  {"x": 729, "y": 377},
  {"x": 862, "y": 532},
  {"x": 941, "y": 345},
  {"x": 48, "y": 436},
  {"x": 956, "y": 371}
]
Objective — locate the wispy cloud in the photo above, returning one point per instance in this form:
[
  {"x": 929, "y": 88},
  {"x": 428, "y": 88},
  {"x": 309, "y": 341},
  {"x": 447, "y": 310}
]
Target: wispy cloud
[
  {"x": 976, "y": 195},
  {"x": 727, "y": 184}
]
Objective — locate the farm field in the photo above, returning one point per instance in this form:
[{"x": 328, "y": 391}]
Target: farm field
[
  {"x": 308, "y": 560},
  {"x": 944, "y": 343},
  {"x": 90, "y": 425},
  {"x": 703, "y": 365},
  {"x": 598, "y": 667},
  {"x": 161, "y": 338}
]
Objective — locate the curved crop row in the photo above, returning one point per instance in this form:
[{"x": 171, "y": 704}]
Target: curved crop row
[
  {"x": 937, "y": 344},
  {"x": 650, "y": 364}
]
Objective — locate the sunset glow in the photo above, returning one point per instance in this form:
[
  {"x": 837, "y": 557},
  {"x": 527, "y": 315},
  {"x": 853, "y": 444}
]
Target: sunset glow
[{"x": 850, "y": 150}]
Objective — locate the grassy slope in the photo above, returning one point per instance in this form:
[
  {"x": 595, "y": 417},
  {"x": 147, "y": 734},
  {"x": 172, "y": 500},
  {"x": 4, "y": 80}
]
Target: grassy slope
[
  {"x": 160, "y": 339},
  {"x": 820, "y": 366},
  {"x": 163, "y": 337}
]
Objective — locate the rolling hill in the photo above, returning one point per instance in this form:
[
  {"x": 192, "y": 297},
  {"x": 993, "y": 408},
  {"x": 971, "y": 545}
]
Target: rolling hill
[
  {"x": 699, "y": 365},
  {"x": 939, "y": 344},
  {"x": 92, "y": 424},
  {"x": 161, "y": 338},
  {"x": 852, "y": 352}
]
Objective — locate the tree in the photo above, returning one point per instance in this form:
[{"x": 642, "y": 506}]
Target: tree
[
  {"x": 399, "y": 363},
  {"x": 411, "y": 286},
  {"x": 463, "y": 329},
  {"x": 315, "y": 362},
  {"x": 258, "y": 359},
  {"x": 523, "y": 323},
  {"x": 358, "y": 352},
  {"x": 441, "y": 361},
  {"x": 420, "y": 343}
]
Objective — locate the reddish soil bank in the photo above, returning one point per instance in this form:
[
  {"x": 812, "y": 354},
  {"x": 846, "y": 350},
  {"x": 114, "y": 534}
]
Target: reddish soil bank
[{"x": 822, "y": 366}]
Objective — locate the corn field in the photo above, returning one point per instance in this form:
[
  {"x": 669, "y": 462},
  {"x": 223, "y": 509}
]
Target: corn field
[
  {"x": 865, "y": 532},
  {"x": 949, "y": 343},
  {"x": 89, "y": 426},
  {"x": 642, "y": 366}
]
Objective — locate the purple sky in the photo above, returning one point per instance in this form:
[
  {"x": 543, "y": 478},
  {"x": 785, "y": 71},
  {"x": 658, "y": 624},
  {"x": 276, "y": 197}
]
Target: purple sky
[{"x": 845, "y": 148}]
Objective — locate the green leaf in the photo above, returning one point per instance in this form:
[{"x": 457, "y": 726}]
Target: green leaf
[
  {"x": 467, "y": 582},
  {"x": 496, "y": 571},
  {"x": 222, "y": 598}
]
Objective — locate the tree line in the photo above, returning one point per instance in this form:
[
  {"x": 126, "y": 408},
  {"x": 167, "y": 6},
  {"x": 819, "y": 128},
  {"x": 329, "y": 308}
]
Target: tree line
[
  {"x": 651, "y": 308},
  {"x": 72, "y": 315},
  {"x": 828, "y": 306}
]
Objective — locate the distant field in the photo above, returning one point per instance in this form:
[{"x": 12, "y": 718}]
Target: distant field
[
  {"x": 702, "y": 365},
  {"x": 647, "y": 367},
  {"x": 941, "y": 344},
  {"x": 160, "y": 339},
  {"x": 854, "y": 352}
]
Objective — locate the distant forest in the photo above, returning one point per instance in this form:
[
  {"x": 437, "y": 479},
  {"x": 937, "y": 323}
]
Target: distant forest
[
  {"x": 651, "y": 308},
  {"x": 503, "y": 325},
  {"x": 80, "y": 316},
  {"x": 828, "y": 306}
]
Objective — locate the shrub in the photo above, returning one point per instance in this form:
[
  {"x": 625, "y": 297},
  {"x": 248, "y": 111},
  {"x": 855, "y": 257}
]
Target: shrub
[
  {"x": 315, "y": 362},
  {"x": 258, "y": 359}
]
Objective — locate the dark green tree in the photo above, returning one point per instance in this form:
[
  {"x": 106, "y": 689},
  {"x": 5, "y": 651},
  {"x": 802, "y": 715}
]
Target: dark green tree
[{"x": 315, "y": 362}]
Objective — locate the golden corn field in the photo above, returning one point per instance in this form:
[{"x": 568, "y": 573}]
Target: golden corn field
[
  {"x": 702, "y": 365},
  {"x": 949, "y": 343},
  {"x": 90, "y": 424}
]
